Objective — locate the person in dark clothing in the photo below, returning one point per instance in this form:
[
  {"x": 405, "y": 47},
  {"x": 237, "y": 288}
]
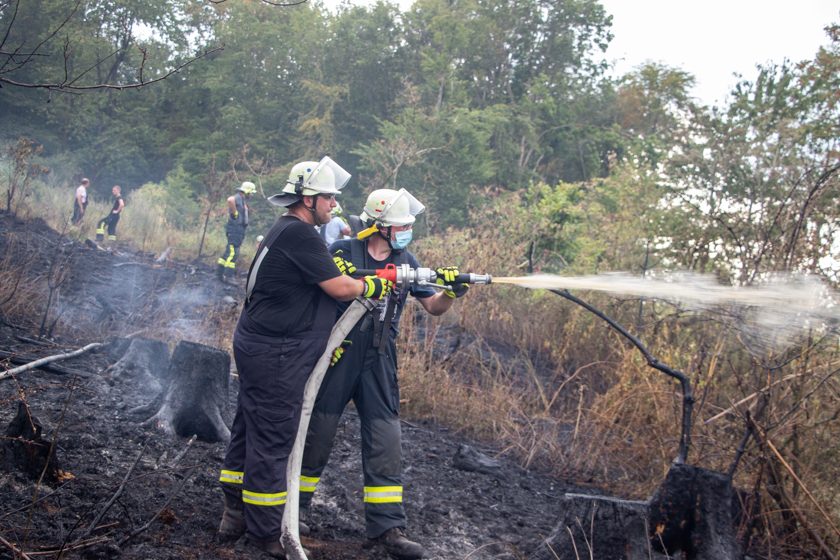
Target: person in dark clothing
[
  {"x": 237, "y": 206},
  {"x": 365, "y": 371},
  {"x": 110, "y": 221},
  {"x": 289, "y": 311}
]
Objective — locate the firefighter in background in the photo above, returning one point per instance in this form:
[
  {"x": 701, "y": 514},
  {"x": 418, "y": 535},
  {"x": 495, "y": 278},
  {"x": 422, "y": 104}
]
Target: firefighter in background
[
  {"x": 365, "y": 371},
  {"x": 336, "y": 228},
  {"x": 237, "y": 206},
  {"x": 286, "y": 320},
  {"x": 110, "y": 221}
]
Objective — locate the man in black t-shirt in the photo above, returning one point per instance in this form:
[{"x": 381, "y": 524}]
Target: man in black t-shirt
[
  {"x": 366, "y": 371},
  {"x": 289, "y": 310},
  {"x": 112, "y": 219}
]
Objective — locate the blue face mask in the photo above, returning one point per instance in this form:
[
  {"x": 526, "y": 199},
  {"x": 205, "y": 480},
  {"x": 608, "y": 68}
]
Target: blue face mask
[{"x": 401, "y": 239}]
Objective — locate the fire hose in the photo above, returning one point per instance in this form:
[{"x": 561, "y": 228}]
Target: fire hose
[{"x": 403, "y": 277}]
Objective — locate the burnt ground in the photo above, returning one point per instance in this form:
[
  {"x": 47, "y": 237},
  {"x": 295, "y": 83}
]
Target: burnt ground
[{"x": 168, "y": 504}]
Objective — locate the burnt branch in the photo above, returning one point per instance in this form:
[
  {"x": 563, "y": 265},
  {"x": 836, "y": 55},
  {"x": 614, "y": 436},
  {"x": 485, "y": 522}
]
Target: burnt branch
[
  {"x": 116, "y": 495},
  {"x": 15, "y": 550},
  {"x": 685, "y": 384},
  {"x": 162, "y": 509}
]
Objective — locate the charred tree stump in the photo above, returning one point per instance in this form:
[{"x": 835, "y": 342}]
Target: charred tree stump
[
  {"x": 145, "y": 362},
  {"x": 195, "y": 399},
  {"x": 25, "y": 450},
  {"x": 692, "y": 512},
  {"x": 599, "y": 527}
]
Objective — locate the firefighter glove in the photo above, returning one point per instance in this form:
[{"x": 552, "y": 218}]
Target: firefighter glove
[
  {"x": 446, "y": 276},
  {"x": 345, "y": 266},
  {"x": 338, "y": 352},
  {"x": 376, "y": 287}
]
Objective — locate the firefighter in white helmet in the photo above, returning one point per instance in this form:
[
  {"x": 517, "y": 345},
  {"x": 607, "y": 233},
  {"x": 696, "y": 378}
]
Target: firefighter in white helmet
[
  {"x": 237, "y": 207},
  {"x": 365, "y": 371},
  {"x": 289, "y": 311}
]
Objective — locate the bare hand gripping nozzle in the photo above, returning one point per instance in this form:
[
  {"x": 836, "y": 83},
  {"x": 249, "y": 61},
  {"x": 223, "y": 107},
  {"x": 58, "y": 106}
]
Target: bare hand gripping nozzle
[{"x": 405, "y": 277}]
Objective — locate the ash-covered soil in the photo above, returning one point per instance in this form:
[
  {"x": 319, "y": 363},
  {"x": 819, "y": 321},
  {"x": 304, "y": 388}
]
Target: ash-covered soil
[{"x": 129, "y": 491}]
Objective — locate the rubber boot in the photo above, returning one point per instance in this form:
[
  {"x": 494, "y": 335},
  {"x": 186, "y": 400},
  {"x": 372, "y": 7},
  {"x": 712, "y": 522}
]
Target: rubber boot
[
  {"x": 233, "y": 520},
  {"x": 270, "y": 547},
  {"x": 220, "y": 272},
  {"x": 398, "y": 545}
]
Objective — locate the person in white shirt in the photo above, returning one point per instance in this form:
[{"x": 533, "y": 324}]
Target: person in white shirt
[
  {"x": 80, "y": 202},
  {"x": 336, "y": 228}
]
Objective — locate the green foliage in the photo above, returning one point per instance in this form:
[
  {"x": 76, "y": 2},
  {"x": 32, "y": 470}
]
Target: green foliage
[{"x": 448, "y": 99}]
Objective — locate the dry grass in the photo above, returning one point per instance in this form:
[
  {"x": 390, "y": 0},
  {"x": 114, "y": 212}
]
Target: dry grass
[{"x": 553, "y": 387}]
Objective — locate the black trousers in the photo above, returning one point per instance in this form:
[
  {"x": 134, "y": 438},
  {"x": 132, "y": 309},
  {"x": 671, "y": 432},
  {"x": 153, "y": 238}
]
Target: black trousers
[
  {"x": 110, "y": 221},
  {"x": 369, "y": 379},
  {"x": 78, "y": 213},
  {"x": 272, "y": 375}
]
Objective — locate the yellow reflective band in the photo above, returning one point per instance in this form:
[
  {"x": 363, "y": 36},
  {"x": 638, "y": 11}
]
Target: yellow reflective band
[
  {"x": 101, "y": 229},
  {"x": 259, "y": 499},
  {"x": 308, "y": 483},
  {"x": 367, "y": 232},
  {"x": 383, "y": 494},
  {"x": 231, "y": 477},
  {"x": 112, "y": 237}
]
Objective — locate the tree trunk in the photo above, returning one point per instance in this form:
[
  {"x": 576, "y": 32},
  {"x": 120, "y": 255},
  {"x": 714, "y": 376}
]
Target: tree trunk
[
  {"x": 195, "y": 401},
  {"x": 145, "y": 362},
  {"x": 690, "y": 516}
]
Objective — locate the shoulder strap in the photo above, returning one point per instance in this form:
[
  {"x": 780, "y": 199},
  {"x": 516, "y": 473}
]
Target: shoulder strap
[
  {"x": 358, "y": 253},
  {"x": 262, "y": 251}
]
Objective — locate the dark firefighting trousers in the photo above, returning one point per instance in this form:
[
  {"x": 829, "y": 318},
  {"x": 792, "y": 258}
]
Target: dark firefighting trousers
[
  {"x": 110, "y": 221},
  {"x": 369, "y": 378},
  {"x": 272, "y": 376},
  {"x": 235, "y": 236}
]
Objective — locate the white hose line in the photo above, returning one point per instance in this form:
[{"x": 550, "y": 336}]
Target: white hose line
[{"x": 291, "y": 515}]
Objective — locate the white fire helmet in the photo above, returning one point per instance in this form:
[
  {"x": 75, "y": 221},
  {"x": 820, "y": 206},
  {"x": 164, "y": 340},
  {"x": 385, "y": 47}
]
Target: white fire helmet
[
  {"x": 391, "y": 208},
  {"x": 247, "y": 187},
  {"x": 309, "y": 178}
]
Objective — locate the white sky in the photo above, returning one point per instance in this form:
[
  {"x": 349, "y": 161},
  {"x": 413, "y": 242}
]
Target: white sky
[{"x": 713, "y": 39}]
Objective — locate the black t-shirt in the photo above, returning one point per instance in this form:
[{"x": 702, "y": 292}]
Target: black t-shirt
[
  {"x": 368, "y": 262},
  {"x": 286, "y": 294}
]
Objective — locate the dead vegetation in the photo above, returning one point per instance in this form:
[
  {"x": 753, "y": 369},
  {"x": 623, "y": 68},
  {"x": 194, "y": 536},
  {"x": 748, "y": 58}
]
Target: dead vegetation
[
  {"x": 541, "y": 380},
  {"x": 556, "y": 388}
]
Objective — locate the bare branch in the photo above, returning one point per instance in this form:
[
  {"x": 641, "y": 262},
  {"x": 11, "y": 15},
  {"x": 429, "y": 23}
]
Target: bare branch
[
  {"x": 48, "y": 359},
  {"x": 68, "y": 87},
  {"x": 46, "y": 39}
]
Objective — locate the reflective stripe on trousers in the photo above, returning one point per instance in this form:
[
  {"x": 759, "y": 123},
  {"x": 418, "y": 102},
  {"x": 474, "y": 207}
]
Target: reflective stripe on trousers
[
  {"x": 369, "y": 379},
  {"x": 272, "y": 375},
  {"x": 228, "y": 259}
]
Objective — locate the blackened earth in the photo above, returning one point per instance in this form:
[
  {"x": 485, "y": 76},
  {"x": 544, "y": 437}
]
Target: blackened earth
[{"x": 168, "y": 505}]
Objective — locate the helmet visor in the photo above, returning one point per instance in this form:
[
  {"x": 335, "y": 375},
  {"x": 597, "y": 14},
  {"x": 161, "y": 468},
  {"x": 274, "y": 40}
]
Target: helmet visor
[{"x": 328, "y": 177}]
